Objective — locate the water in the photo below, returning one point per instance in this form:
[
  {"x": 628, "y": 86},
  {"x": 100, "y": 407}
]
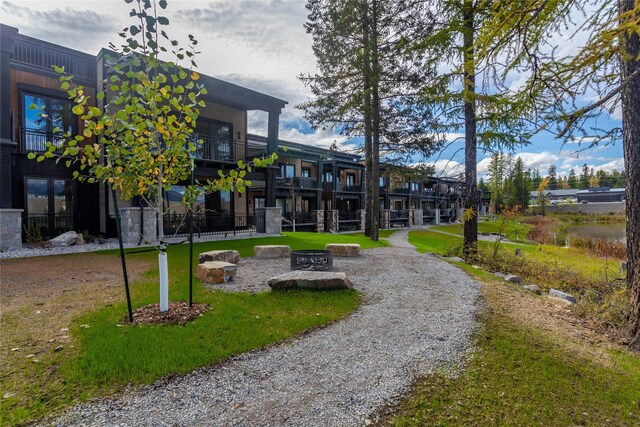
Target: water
[{"x": 610, "y": 231}]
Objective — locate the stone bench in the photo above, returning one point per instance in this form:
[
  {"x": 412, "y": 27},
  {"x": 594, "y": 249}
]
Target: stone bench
[
  {"x": 271, "y": 251},
  {"x": 216, "y": 272},
  {"x": 317, "y": 280},
  {"x": 343, "y": 249},
  {"x": 227, "y": 256}
]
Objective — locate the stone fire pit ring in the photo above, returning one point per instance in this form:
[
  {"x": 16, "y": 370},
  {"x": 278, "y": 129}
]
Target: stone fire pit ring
[{"x": 312, "y": 260}]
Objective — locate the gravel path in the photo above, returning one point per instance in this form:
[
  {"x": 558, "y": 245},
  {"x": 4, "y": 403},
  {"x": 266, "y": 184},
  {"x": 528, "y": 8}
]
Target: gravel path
[{"x": 417, "y": 315}]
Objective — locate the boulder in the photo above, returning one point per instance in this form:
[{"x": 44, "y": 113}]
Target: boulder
[
  {"x": 65, "y": 239},
  {"x": 455, "y": 259},
  {"x": 271, "y": 251},
  {"x": 513, "y": 279},
  {"x": 343, "y": 249},
  {"x": 317, "y": 280},
  {"x": 216, "y": 272},
  {"x": 230, "y": 256},
  {"x": 79, "y": 239},
  {"x": 562, "y": 295},
  {"x": 500, "y": 275},
  {"x": 533, "y": 288}
]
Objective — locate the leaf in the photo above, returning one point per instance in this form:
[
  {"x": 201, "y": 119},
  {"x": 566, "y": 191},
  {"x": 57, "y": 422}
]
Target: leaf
[
  {"x": 77, "y": 110},
  {"x": 31, "y": 156},
  {"x": 87, "y": 132},
  {"x": 195, "y": 75},
  {"x": 162, "y": 4},
  {"x": 64, "y": 85},
  {"x": 134, "y": 29},
  {"x": 163, "y": 20}
]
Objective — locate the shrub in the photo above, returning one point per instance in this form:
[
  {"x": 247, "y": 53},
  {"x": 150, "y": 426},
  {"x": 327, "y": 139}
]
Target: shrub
[
  {"x": 600, "y": 247},
  {"x": 32, "y": 234}
]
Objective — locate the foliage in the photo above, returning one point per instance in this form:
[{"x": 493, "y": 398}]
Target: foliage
[
  {"x": 599, "y": 247},
  {"x": 32, "y": 234}
]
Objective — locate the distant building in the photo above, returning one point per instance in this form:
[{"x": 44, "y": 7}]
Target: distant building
[
  {"x": 601, "y": 195},
  {"x": 569, "y": 195}
]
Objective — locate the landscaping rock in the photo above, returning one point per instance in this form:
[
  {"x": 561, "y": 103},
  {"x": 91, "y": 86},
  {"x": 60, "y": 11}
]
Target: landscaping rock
[
  {"x": 343, "y": 249},
  {"x": 79, "y": 239},
  {"x": 318, "y": 280},
  {"x": 455, "y": 259},
  {"x": 230, "y": 256},
  {"x": 513, "y": 279},
  {"x": 562, "y": 295},
  {"x": 216, "y": 272},
  {"x": 500, "y": 275},
  {"x": 533, "y": 288},
  {"x": 64, "y": 240},
  {"x": 271, "y": 251}
]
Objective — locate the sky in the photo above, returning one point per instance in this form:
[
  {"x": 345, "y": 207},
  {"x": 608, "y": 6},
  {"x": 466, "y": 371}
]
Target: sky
[{"x": 262, "y": 45}]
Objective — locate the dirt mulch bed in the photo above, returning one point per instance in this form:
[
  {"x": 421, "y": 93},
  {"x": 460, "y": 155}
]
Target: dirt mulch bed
[{"x": 179, "y": 313}]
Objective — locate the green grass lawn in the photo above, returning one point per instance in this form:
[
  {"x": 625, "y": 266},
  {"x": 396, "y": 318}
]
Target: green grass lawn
[
  {"x": 107, "y": 357},
  {"x": 511, "y": 229},
  {"x": 520, "y": 377}
]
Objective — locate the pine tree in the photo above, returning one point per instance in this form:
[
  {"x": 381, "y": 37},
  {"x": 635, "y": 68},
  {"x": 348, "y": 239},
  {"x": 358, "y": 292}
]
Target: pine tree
[
  {"x": 553, "y": 178},
  {"x": 572, "y": 181}
]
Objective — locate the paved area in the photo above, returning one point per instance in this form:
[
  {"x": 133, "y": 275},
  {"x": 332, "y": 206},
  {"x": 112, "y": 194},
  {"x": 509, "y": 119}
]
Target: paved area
[{"x": 417, "y": 316}]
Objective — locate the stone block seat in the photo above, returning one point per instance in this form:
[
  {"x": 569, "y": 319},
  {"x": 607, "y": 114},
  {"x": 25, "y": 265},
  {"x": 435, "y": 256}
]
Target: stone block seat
[
  {"x": 271, "y": 251},
  {"x": 227, "y": 256},
  {"x": 343, "y": 249},
  {"x": 216, "y": 272},
  {"x": 304, "y": 279}
]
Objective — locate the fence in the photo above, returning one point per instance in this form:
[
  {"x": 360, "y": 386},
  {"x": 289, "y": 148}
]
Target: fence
[
  {"x": 348, "y": 221},
  {"x": 399, "y": 218},
  {"x": 305, "y": 221},
  {"x": 48, "y": 225},
  {"x": 176, "y": 224}
]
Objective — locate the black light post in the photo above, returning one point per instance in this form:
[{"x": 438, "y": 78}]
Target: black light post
[{"x": 191, "y": 242}]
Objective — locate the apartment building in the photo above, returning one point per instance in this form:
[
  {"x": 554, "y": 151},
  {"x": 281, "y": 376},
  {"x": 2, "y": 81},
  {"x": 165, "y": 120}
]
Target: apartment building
[{"x": 315, "y": 188}]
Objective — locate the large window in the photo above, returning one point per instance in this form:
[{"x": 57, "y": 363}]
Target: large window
[
  {"x": 217, "y": 139},
  {"x": 287, "y": 170},
  {"x": 49, "y": 205},
  {"x": 42, "y": 115},
  {"x": 328, "y": 177},
  {"x": 351, "y": 180}
]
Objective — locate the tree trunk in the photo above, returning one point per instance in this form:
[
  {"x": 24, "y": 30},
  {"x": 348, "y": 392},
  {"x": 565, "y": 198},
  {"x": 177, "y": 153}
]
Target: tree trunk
[
  {"x": 375, "y": 107},
  {"x": 470, "y": 143},
  {"x": 371, "y": 220},
  {"x": 631, "y": 144}
]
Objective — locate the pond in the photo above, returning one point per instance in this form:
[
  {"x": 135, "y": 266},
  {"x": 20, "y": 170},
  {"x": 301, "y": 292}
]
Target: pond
[{"x": 610, "y": 230}]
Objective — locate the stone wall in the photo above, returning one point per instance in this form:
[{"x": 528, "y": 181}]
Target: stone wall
[
  {"x": 332, "y": 222},
  {"x": 10, "y": 229},
  {"x": 363, "y": 215},
  {"x": 319, "y": 221},
  {"x": 130, "y": 225},
  {"x": 385, "y": 219},
  {"x": 418, "y": 218},
  {"x": 272, "y": 220}
]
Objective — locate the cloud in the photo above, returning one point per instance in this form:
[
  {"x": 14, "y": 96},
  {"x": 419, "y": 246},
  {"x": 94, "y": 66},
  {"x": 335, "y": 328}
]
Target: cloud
[{"x": 81, "y": 29}]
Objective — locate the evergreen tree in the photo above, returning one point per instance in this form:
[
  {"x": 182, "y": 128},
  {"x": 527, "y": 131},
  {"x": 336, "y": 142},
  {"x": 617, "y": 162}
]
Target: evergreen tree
[
  {"x": 553, "y": 179},
  {"x": 584, "y": 177},
  {"x": 572, "y": 181}
]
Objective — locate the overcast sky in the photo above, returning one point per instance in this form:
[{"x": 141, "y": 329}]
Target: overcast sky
[{"x": 260, "y": 44}]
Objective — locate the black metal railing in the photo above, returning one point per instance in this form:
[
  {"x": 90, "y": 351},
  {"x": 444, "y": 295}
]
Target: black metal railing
[
  {"x": 349, "y": 221},
  {"x": 446, "y": 213},
  {"x": 399, "y": 218},
  {"x": 177, "y": 224},
  {"x": 353, "y": 188},
  {"x": 33, "y": 140},
  {"x": 297, "y": 183},
  {"x": 226, "y": 150},
  {"x": 47, "y": 225},
  {"x": 43, "y": 55},
  {"x": 305, "y": 221}
]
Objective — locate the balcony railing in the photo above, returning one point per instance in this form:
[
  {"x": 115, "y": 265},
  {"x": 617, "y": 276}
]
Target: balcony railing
[
  {"x": 226, "y": 150},
  {"x": 32, "y": 140},
  {"x": 304, "y": 221},
  {"x": 44, "y": 55},
  {"x": 353, "y": 188},
  {"x": 177, "y": 224},
  {"x": 297, "y": 183},
  {"x": 48, "y": 225}
]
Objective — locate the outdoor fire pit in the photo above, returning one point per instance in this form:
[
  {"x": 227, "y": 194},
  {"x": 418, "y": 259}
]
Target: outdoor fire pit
[{"x": 315, "y": 260}]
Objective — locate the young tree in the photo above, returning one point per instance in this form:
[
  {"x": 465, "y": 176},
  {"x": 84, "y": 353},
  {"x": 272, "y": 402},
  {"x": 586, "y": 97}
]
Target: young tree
[{"x": 144, "y": 132}]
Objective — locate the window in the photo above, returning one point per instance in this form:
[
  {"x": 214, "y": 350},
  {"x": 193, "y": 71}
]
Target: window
[
  {"x": 306, "y": 173},
  {"x": 287, "y": 170},
  {"x": 258, "y": 202},
  {"x": 49, "y": 205},
  {"x": 328, "y": 177},
  {"x": 381, "y": 182},
  {"x": 175, "y": 205},
  {"x": 351, "y": 179},
  {"x": 40, "y": 122},
  {"x": 415, "y": 186}
]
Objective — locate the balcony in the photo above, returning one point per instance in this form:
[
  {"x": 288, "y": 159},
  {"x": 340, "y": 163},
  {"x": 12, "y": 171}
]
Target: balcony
[
  {"x": 33, "y": 140},
  {"x": 42, "y": 55},
  {"x": 298, "y": 183},
  {"x": 227, "y": 150}
]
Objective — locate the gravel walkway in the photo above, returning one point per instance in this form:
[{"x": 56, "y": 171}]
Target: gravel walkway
[{"x": 417, "y": 316}]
